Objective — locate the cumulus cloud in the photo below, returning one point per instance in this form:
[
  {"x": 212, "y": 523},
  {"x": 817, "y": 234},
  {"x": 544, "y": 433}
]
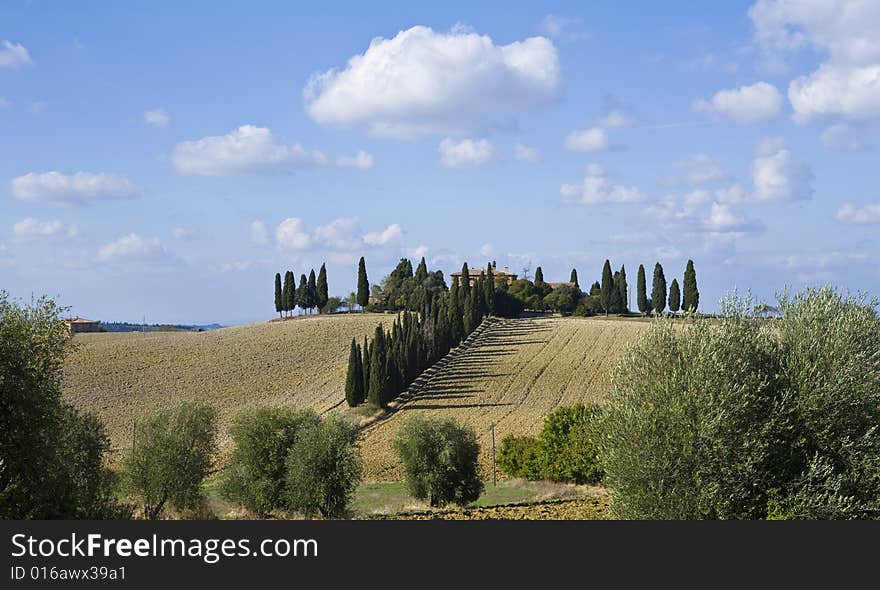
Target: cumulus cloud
[
  {"x": 688, "y": 216},
  {"x": 525, "y": 153},
  {"x": 594, "y": 139},
  {"x": 597, "y": 189},
  {"x": 57, "y": 188},
  {"x": 259, "y": 232},
  {"x": 14, "y": 55},
  {"x": 746, "y": 104},
  {"x": 700, "y": 169},
  {"x": 422, "y": 82},
  {"x": 841, "y": 136},
  {"x": 467, "y": 153},
  {"x": 35, "y": 228},
  {"x": 562, "y": 28},
  {"x": 869, "y": 213},
  {"x": 292, "y": 235},
  {"x": 387, "y": 236},
  {"x": 777, "y": 176},
  {"x": 251, "y": 150},
  {"x": 342, "y": 234},
  {"x": 361, "y": 160},
  {"x": 847, "y": 84},
  {"x": 131, "y": 247},
  {"x": 157, "y": 118}
]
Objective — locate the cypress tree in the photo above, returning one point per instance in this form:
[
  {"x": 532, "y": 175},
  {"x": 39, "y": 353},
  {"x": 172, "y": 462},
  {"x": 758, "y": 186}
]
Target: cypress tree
[
  {"x": 595, "y": 289},
  {"x": 323, "y": 291},
  {"x": 365, "y": 366},
  {"x": 691, "y": 293},
  {"x": 489, "y": 288},
  {"x": 288, "y": 293},
  {"x": 574, "y": 278},
  {"x": 616, "y": 302},
  {"x": 674, "y": 296},
  {"x": 465, "y": 287},
  {"x": 624, "y": 294},
  {"x": 658, "y": 290},
  {"x": 378, "y": 368},
  {"x": 363, "y": 292},
  {"x": 539, "y": 276},
  {"x": 422, "y": 271},
  {"x": 353, "y": 381},
  {"x": 607, "y": 287},
  {"x": 641, "y": 291},
  {"x": 279, "y": 296},
  {"x": 302, "y": 293},
  {"x": 312, "y": 290}
]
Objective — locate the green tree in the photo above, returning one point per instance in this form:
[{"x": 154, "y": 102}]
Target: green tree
[
  {"x": 421, "y": 271},
  {"x": 617, "y": 304},
  {"x": 366, "y": 355},
  {"x": 574, "y": 278},
  {"x": 691, "y": 293},
  {"x": 624, "y": 290},
  {"x": 376, "y": 394},
  {"x": 439, "y": 459},
  {"x": 323, "y": 290},
  {"x": 256, "y": 475},
  {"x": 51, "y": 456},
  {"x": 323, "y": 469},
  {"x": 354, "y": 380},
  {"x": 288, "y": 293},
  {"x": 641, "y": 291},
  {"x": 607, "y": 293},
  {"x": 171, "y": 457},
  {"x": 363, "y": 289},
  {"x": 569, "y": 448},
  {"x": 674, "y": 296},
  {"x": 520, "y": 456},
  {"x": 658, "y": 290},
  {"x": 302, "y": 293},
  {"x": 312, "y": 291},
  {"x": 539, "y": 275},
  {"x": 279, "y": 297},
  {"x": 465, "y": 286}
]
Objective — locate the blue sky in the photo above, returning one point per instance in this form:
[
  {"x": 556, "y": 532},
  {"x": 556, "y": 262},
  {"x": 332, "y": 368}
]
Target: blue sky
[{"x": 165, "y": 159}]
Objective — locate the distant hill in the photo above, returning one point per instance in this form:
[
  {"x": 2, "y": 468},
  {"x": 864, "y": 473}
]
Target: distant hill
[{"x": 127, "y": 327}]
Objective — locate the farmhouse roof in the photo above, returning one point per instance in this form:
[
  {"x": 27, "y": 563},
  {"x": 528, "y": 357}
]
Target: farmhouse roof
[
  {"x": 475, "y": 272},
  {"x": 79, "y": 320}
]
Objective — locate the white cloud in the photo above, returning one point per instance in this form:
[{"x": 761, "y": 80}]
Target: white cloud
[
  {"x": 157, "y": 118},
  {"x": 467, "y": 153},
  {"x": 870, "y": 213},
  {"x": 732, "y": 194},
  {"x": 57, "y": 188},
  {"x": 701, "y": 169},
  {"x": 389, "y": 235},
  {"x": 131, "y": 247},
  {"x": 362, "y": 161},
  {"x": 746, "y": 104},
  {"x": 13, "y": 55},
  {"x": 614, "y": 119},
  {"x": 259, "y": 232},
  {"x": 841, "y": 136},
  {"x": 291, "y": 234},
  {"x": 846, "y": 91},
  {"x": 343, "y": 234},
  {"x": 422, "y": 82},
  {"x": 487, "y": 250},
  {"x": 777, "y": 176},
  {"x": 525, "y": 153},
  {"x": 597, "y": 189},
  {"x": 34, "y": 228},
  {"x": 418, "y": 251},
  {"x": 587, "y": 140},
  {"x": 251, "y": 150},
  {"x": 686, "y": 215},
  {"x": 561, "y": 28}
]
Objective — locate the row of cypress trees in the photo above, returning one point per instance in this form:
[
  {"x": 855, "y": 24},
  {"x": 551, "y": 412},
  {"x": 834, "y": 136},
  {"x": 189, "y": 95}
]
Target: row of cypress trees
[
  {"x": 658, "y": 301},
  {"x": 385, "y": 366},
  {"x": 311, "y": 293}
]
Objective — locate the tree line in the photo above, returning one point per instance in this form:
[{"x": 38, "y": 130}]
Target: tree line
[
  {"x": 310, "y": 294},
  {"x": 385, "y": 366}
]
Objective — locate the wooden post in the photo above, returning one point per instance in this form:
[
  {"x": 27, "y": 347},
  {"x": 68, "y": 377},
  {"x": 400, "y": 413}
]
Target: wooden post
[{"x": 494, "y": 478}]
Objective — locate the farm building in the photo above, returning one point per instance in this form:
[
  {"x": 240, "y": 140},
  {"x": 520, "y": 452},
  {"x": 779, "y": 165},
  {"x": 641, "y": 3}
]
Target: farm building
[
  {"x": 78, "y": 324},
  {"x": 474, "y": 274},
  {"x": 557, "y": 285}
]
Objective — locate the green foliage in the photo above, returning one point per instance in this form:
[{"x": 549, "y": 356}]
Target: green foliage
[
  {"x": 691, "y": 293},
  {"x": 539, "y": 275},
  {"x": 279, "y": 297},
  {"x": 641, "y": 291},
  {"x": 377, "y": 394},
  {"x": 658, "y": 290},
  {"x": 566, "y": 449},
  {"x": 574, "y": 278},
  {"x": 332, "y": 305},
  {"x": 563, "y": 299},
  {"x": 171, "y": 457},
  {"x": 323, "y": 295},
  {"x": 527, "y": 292},
  {"x": 608, "y": 288},
  {"x": 623, "y": 289},
  {"x": 363, "y": 288},
  {"x": 439, "y": 459},
  {"x": 288, "y": 292},
  {"x": 323, "y": 469},
  {"x": 263, "y": 437},
  {"x": 311, "y": 291},
  {"x": 520, "y": 456},
  {"x": 302, "y": 293},
  {"x": 748, "y": 419},
  {"x": 674, "y": 296},
  {"x": 354, "y": 380},
  {"x": 51, "y": 456},
  {"x": 507, "y": 305}
]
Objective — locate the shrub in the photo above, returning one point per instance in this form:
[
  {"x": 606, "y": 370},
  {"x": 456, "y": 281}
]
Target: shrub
[
  {"x": 749, "y": 419},
  {"x": 171, "y": 457},
  {"x": 51, "y": 456},
  {"x": 506, "y": 305},
  {"x": 520, "y": 456},
  {"x": 568, "y": 449},
  {"x": 323, "y": 469},
  {"x": 439, "y": 458},
  {"x": 263, "y": 437}
]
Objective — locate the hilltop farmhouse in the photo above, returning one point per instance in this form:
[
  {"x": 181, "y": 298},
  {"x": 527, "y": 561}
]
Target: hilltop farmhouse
[{"x": 474, "y": 274}]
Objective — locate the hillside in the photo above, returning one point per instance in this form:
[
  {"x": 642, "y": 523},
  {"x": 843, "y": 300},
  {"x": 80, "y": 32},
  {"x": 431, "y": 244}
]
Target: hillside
[
  {"x": 299, "y": 362},
  {"x": 512, "y": 374}
]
